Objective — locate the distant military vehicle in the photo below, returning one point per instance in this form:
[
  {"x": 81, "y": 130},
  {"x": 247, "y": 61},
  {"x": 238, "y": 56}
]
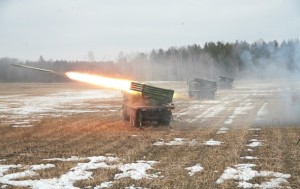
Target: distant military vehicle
[
  {"x": 147, "y": 104},
  {"x": 225, "y": 82},
  {"x": 202, "y": 89}
]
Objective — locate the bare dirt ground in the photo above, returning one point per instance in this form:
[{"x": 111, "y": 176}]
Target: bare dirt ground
[{"x": 245, "y": 138}]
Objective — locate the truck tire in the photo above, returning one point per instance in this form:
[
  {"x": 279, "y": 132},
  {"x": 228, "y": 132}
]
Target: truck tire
[
  {"x": 132, "y": 119},
  {"x": 126, "y": 115},
  {"x": 199, "y": 96},
  {"x": 136, "y": 118},
  {"x": 139, "y": 118},
  {"x": 212, "y": 95},
  {"x": 165, "y": 122},
  {"x": 166, "y": 118}
]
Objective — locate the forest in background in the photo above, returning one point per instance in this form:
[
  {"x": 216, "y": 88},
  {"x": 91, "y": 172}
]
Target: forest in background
[{"x": 239, "y": 60}]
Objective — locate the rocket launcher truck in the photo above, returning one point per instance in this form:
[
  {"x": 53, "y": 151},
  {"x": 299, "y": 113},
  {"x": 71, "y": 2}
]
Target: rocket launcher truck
[
  {"x": 147, "y": 104},
  {"x": 202, "y": 89},
  {"x": 225, "y": 82}
]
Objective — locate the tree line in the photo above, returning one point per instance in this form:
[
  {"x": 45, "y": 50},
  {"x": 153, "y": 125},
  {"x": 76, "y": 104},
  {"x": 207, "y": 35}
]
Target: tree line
[{"x": 237, "y": 60}]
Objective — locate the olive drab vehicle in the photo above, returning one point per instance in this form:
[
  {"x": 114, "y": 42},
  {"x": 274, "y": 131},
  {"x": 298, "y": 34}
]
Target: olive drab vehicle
[
  {"x": 202, "y": 89},
  {"x": 147, "y": 104},
  {"x": 225, "y": 82}
]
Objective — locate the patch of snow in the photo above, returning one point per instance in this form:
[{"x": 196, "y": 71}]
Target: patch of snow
[
  {"x": 228, "y": 121},
  {"x": 79, "y": 172},
  {"x": 134, "y": 187},
  {"x": 203, "y": 110},
  {"x": 2, "y": 160},
  {"x": 212, "y": 112},
  {"x": 109, "y": 154},
  {"x": 243, "y": 110},
  {"x": 249, "y": 157},
  {"x": 12, "y": 176},
  {"x": 20, "y": 110},
  {"x": 136, "y": 170},
  {"x": 194, "y": 108},
  {"x": 11, "y": 96},
  {"x": 244, "y": 173},
  {"x": 194, "y": 169},
  {"x": 222, "y": 130},
  {"x": 254, "y": 144},
  {"x": 209, "y": 113},
  {"x": 176, "y": 141},
  {"x": 104, "y": 185},
  {"x": 211, "y": 102},
  {"x": 4, "y": 186},
  {"x": 212, "y": 142},
  {"x": 41, "y": 167},
  {"x": 72, "y": 158},
  {"x": 262, "y": 113},
  {"x": 263, "y": 110},
  {"x": 249, "y": 150},
  {"x": 5, "y": 168},
  {"x": 22, "y": 126},
  {"x": 255, "y": 129}
]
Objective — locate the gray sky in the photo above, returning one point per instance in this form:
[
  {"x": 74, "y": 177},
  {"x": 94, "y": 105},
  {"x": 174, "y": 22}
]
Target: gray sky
[{"x": 69, "y": 29}]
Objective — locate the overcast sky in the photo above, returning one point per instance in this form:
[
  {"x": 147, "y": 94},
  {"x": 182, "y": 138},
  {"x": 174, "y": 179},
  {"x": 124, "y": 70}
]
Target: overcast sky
[{"x": 69, "y": 29}]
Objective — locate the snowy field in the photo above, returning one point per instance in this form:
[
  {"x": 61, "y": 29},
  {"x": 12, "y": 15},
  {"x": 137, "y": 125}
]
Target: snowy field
[
  {"x": 74, "y": 137},
  {"x": 23, "y": 110}
]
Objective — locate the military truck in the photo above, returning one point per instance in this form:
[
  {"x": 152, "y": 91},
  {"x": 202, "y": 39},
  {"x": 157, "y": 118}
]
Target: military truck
[
  {"x": 225, "y": 82},
  {"x": 147, "y": 104},
  {"x": 202, "y": 89}
]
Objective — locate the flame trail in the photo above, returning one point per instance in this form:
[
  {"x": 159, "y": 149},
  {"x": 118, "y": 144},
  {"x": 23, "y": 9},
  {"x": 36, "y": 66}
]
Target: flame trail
[{"x": 100, "y": 81}]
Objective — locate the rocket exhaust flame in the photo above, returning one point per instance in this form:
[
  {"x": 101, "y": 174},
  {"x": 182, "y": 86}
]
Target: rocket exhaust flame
[{"x": 100, "y": 81}]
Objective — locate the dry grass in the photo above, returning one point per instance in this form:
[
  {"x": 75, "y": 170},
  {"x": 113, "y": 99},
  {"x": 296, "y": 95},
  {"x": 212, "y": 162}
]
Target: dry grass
[{"x": 94, "y": 134}]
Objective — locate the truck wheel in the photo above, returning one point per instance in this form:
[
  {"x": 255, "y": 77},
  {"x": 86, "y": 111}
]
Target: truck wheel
[
  {"x": 139, "y": 119},
  {"x": 126, "y": 117},
  {"x": 212, "y": 95},
  {"x": 132, "y": 118},
  {"x": 198, "y": 96},
  {"x": 136, "y": 118},
  {"x": 166, "y": 118},
  {"x": 165, "y": 123}
]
